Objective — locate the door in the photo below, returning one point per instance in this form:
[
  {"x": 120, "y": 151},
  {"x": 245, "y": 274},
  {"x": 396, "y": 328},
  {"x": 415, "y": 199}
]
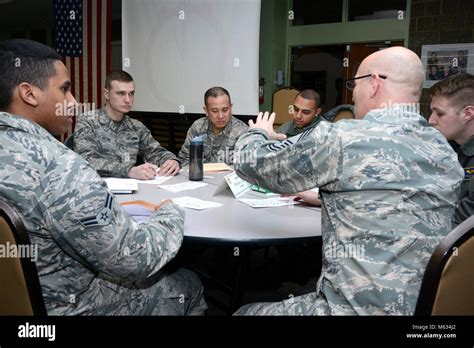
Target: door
[{"x": 354, "y": 55}]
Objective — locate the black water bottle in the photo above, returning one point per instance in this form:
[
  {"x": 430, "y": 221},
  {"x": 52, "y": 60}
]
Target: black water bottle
[{"x": 196, "y": 169}]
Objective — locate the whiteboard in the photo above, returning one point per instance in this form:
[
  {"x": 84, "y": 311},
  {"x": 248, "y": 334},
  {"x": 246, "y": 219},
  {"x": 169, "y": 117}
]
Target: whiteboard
[{"x": 177, "y": 49}]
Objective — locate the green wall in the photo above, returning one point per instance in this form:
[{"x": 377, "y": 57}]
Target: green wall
[
  {"x": 273, "y": 30},
  {"x": 277, "y": 36}
]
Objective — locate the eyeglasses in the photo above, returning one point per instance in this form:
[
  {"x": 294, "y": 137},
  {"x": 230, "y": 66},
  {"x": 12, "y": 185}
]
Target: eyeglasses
[{"x": 350, "y": 84}]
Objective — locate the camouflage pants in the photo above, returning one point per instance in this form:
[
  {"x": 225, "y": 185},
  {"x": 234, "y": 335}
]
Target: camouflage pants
[
  {"x": 177, "y": 293},
  {"x": 308, "y": 304}
]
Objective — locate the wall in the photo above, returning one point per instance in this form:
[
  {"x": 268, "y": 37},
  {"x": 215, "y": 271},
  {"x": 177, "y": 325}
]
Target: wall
[
  {"x": 31, "y": 19},
  {"x": 440, "y": 22},
  {"x": 273, "y": 52},
  {"x": 322, "y": 61}
]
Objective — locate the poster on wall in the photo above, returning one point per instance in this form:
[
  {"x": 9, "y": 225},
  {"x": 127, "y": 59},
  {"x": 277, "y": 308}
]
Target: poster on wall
[{"x": 441, "y": 61}]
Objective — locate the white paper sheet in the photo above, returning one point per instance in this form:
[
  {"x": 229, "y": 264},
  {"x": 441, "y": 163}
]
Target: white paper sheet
[
  {"x": 157, "y": 180},
  {"x": 195, "y": 203},
  {"x": 188, "y": 185}
]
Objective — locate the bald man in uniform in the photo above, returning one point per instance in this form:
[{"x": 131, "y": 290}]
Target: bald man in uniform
[{"x": 389, "y": 184}]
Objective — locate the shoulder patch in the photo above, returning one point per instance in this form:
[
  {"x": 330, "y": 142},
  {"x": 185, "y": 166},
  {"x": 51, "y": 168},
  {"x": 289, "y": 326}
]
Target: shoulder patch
[
  {"x": 468, "y": 173},
  {"x": 290, "y": 141},
  {"x": 103, "y": 217}
]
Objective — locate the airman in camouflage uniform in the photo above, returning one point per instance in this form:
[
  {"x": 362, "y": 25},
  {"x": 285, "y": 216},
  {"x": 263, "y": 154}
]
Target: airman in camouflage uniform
[
  {"x": 306, "y": 114},
  {"x": 111, "y": 141},
  {"x": 217, "y": 147},
  {"x": 452, "y": 114},
  {"x": 220, "y": 129},
  {"x": 93, "y": 259},
  {"x": 389, "y": 185}
]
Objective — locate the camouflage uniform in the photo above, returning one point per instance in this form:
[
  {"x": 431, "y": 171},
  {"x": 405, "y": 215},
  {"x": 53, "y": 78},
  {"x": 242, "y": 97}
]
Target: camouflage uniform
[
  {"x": 389, "y": 185},
  {"x": 466, "y": 203},
  {"x": 112, "y": 147},
  {"x": 217, "y": 148},
  {"x": 331, "y": 114},
  {"x": 92, "y": 258},
  {"x": 290, "y": 130}
]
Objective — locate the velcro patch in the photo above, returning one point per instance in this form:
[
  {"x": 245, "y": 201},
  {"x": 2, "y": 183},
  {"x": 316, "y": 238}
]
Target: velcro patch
[
  {"x": 103, "y": 217},
  {"x": 468, "y": 173}
]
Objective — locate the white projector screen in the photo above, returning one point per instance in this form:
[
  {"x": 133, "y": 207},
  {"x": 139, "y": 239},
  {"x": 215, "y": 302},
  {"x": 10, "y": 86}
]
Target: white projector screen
[{"x": 177, "y": 49}]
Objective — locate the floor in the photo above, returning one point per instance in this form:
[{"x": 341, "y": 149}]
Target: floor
[{"x": 267, "y": 274}]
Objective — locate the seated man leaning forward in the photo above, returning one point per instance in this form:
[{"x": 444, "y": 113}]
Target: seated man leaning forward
[
  {"x": 111, "y": 141},
  {"x": 92, "y": 259},
  {"x": 306, "y": 110},
  {"x": 389, "y": 185},
  {"x": 452, "y": 107},
  {"x": 220, "y": 129}
]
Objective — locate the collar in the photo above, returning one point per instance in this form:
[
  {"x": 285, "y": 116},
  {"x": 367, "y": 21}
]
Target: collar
[
  {"x": 22, "y": 124},
  {"x": 313, "y": 123},
  {"x": 396, "y": 114},
  {"x": 226, "y": 129},
  {"x": 105, "y": 120},
  {"x": 468, "y": 147}
]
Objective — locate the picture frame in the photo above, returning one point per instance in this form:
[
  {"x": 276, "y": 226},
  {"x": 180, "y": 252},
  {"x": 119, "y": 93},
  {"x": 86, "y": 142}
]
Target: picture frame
[{"x": 441, "y": 61}]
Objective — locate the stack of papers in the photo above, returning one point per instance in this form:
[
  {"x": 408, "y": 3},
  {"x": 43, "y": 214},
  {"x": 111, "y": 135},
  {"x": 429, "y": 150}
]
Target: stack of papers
[{"x": 117, "y": 185}]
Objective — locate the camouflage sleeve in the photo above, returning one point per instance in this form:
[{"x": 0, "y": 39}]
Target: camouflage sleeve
[
  {"x": 87, "y": 144},
  {"x": 280, "y": 129},
  {"x": 151, "y": 150},
  {"x": 88, "y": 223},
  {"x": 283, "y": 129},
  {"x": 287, "y": 167},
  {"x": 184, "y": 152},
  {"x": 465, "y": 208}
]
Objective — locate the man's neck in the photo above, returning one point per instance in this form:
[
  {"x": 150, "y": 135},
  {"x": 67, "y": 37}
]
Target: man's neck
[
  {"x": 464, "y": 138},
  {"x": 23, "y": 112},
  {"x": 114, "y": 115},
  {"x": 217, "y": 131}
]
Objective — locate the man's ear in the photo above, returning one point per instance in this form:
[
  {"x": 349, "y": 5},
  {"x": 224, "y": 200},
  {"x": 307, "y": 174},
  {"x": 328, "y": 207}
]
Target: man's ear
[
  {"x": 106, "y": 94},
  {"x": 318, "y": 111},
  {"x": 205, "y": 110},
  {"x": 468, "y": 114},
  {"x": 374, "y": 85},
  {"x": 28, "y": 94}
]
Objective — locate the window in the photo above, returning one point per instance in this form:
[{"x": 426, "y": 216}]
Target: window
[
  {"x": 308, "y": 12},
  {"x": 362, "y": 10}
]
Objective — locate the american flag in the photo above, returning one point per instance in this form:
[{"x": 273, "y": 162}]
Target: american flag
[{"x": 82, "y": 37}]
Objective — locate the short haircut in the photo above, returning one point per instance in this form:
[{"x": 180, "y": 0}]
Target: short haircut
[
  {"x": 311, "y": 95},
  {"x": 459, "y": 89},
  {"x": 24, "y": 61},
  {"x": 216, "y": 92},
  {"x": 117, "y": 75}
]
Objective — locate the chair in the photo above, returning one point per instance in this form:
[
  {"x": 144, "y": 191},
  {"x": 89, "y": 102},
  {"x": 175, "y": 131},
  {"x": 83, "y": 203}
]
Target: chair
[
  {"x": 448, "y": 283},
  {"x": 340, "y": 112},
  {"x": 20, "y": 292},
  {"x": 69, "y": 142},
  {"x": 281, "y": 102}
]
